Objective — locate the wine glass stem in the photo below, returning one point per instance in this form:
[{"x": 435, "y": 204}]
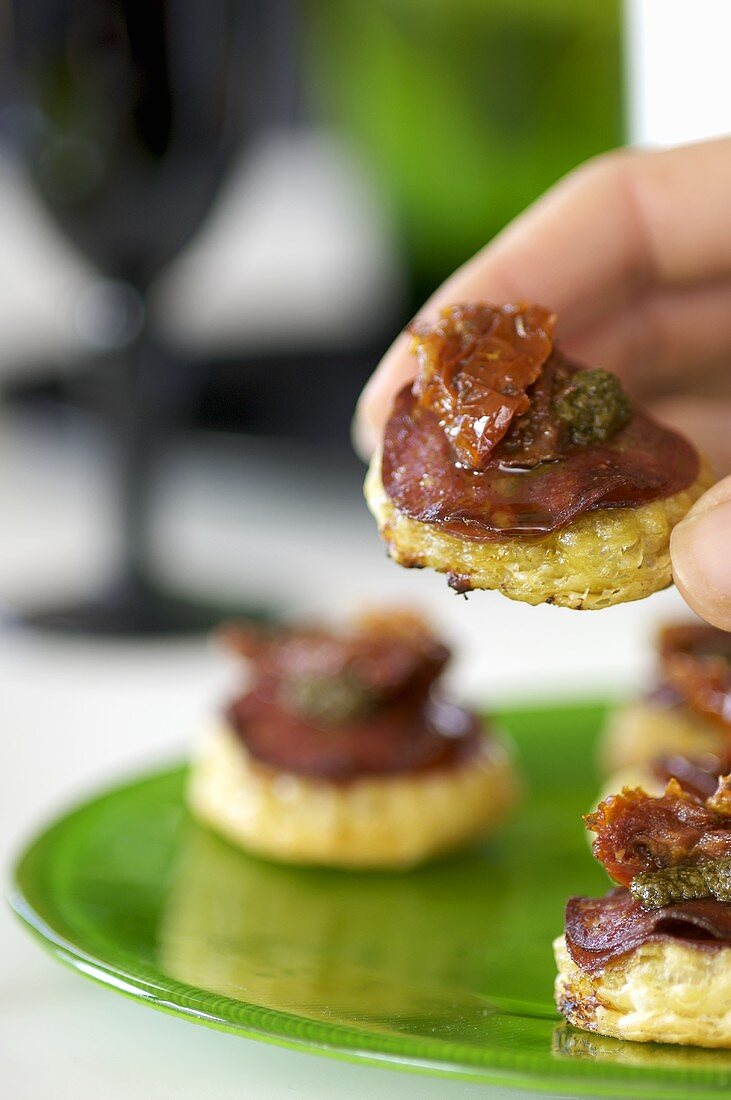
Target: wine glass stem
[{"x": 139, "y": 426}]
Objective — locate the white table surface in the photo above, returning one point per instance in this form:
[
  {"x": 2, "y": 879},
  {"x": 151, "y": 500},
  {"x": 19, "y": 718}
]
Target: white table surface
[{"x": 77, "y": 714}]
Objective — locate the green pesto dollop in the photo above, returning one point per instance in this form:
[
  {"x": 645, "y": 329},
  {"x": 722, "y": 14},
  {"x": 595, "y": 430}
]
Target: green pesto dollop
[
  {"x": 327, "y": 700},
  {"x": 670, "y": 885},
  {"x": 594, "y": 407}
]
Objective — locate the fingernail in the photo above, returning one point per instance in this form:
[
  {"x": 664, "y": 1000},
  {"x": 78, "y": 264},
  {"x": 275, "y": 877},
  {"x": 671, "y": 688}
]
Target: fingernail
[{"x": 701, "y": 551}]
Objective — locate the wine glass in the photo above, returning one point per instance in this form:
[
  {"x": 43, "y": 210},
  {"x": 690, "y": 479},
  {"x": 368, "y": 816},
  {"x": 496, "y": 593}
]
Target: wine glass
[{"x": 133, "y": 109}]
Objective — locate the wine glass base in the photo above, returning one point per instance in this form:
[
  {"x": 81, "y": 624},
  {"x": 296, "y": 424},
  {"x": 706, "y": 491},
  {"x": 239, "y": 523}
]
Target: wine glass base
[{"x": 139, "y": 612}]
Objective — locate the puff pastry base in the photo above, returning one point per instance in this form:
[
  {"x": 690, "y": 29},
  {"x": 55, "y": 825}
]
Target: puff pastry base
[
  {"x": 663, "y": 992},
  {"x": 376, "y": 822},
  {"x": 606, "y": 557}
]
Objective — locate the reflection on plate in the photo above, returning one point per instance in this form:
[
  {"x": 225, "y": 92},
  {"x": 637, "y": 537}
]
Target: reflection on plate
[
  {"x": 583, "y": 1046},
  {"x": 446, "y": 968},
  {"x": 376, "y": 945}
]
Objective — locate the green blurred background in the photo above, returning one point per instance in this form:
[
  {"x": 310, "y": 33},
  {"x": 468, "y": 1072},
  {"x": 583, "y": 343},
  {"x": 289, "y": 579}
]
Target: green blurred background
[{"x": 465, "y": 110}]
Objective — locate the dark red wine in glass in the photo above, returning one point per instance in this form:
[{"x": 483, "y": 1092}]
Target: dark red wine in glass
[{"x": 132, "y": 111}]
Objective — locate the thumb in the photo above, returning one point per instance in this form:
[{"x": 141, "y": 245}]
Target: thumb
[{"x": 700, "y": 549}]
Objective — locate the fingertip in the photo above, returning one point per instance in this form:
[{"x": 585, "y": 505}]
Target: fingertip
[
  {"x": 699, "y": 549},
  {"x": 393, "y": 372},
  {"x": 362, "y": 436},
  {"x": 703, "y": 420}
]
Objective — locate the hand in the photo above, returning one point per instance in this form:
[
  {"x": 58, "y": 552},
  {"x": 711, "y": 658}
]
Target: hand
[{"x": 633, "y": 252}]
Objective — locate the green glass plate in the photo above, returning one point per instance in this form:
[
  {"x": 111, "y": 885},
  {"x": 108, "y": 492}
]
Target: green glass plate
[{"x": 447, "y": 969}]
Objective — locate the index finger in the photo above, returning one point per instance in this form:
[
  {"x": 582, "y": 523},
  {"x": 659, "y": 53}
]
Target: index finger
[{"x": 619, "y": 224}]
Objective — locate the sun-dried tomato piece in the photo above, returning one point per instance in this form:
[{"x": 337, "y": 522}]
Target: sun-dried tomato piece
[
  {"x": 636, "y": 833},
  {"x": 474, "y": 367},
  {"x": 696, "y": 662}
]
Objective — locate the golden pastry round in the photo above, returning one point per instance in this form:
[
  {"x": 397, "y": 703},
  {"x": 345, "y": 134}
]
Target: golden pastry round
[
  {"x": 377, "y": 822},
  {"x": 662, "y": 992},
  {"x": 605, "y": 557},
  {"x": 642, "y": 731}
]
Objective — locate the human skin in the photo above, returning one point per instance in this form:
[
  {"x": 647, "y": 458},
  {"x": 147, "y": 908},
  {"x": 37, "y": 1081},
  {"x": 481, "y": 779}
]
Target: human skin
[{"x": 633, "y": 252}]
